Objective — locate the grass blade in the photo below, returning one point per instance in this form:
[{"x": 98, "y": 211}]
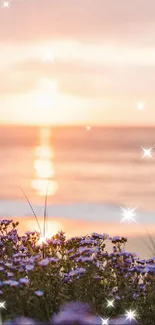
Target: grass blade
[
  {"x": 45, "y": 216},
  {"x": 31, "y": 209},
  {"x": 45, "y": 207},
  {"x": 150, "y": 246}
]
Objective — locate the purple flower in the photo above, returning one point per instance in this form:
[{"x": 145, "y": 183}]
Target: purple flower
[
  {"x": 29, "y": 267},
  {"x": 118, "y": 298},
  {"x": 7, "y": 282},
  {"x": 53, "y": 259},
  {"x": 100, "y": 236},
  {"x": 105, "y": 254},
  {"x": 84, "y": 259},
  {"x": 6, "y": 222},
  {"x": 10, "y": 274},
  {"x": 39, "y": 293},
  {"x": 88, "y": 241},
  {"x": 16, "y": 254},
  {"x": 76, "y": 313},
  {"x": 24, "y": 281},
  {"x": 21, "y": 321},
  {"x": 77, "y": 271},
  {"x": 44, "y": 262},
  {"x": 119, "y": 239},
  {"x": 88, "y": 250},
  {"x": 151, "y": 260},
  {"x": 135, "y": 295},
  {"x": 97, "y": 277},
  {"x": 14, "y": 283},
  {"x": 8, "y": 264}
]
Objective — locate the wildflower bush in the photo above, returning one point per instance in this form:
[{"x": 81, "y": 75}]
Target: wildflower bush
[{"x": 36, "y": 279}]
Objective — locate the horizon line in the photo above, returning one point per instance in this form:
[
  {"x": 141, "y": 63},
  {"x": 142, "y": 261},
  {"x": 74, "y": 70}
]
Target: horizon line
[
  {"x": 65, "y": 126},
  {"x": 82, "y": 125}
]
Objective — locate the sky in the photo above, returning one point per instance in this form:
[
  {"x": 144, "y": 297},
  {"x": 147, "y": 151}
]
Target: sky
[{"x": 77, "y": 62}]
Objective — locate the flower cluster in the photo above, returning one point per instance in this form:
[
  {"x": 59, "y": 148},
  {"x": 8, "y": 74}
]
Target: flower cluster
[{"x": 36, "y": 279}]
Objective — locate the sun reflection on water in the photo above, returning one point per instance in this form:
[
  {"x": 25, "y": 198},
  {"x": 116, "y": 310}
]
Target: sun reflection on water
[{"x": 44, "y": 181}]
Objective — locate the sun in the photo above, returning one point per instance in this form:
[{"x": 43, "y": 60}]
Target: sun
[
  {"x": 52, "y": 227},
  {"x": 48, "y": 56},
  {"x": 46, "y": 94},
  {"x": 47, "y": 85}
]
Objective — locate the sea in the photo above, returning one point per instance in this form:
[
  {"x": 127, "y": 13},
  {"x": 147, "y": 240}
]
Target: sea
[{"x": 87, "y": 178}]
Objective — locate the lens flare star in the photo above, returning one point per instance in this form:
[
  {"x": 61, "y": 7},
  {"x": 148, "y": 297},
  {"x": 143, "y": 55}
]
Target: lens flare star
[
  {"x": 6, "y": 4},
  {"x": 128, "y": 215},
  {"x": 130, "y": 315},
  {"x": 105, "y": 321},
  {"x": 110, "y": 303},
  {"x": 2, "y": 304},
  {"x": 147, "y": 152}
]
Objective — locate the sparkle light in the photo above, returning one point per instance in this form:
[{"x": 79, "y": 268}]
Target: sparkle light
[
  {"x": 110, "y": 303},
  {"x": 147, "y": 152},
  {"x": 105, "y": 321},
  {"x": 130, "y": 315},
  {"x": 2, "y": 304},
  {"x": 128, "y": 215},
  {"x": 6, "y": 4}
]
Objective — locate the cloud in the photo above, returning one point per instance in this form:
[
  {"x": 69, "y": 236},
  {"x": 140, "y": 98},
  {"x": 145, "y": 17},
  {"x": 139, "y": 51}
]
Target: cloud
[
  {"x": 88, "y": 81},
  {"x": 130, "y": 21},
  {"x": 91, "y": 81},
  {"x": 16, "y": 82}
]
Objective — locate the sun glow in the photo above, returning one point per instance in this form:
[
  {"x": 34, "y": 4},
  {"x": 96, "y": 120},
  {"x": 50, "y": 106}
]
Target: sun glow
[
  {"x": 42, "y": 240},
  {"x": 52, "y": 228},
  {"x": 46, "y": 95},
  {"x": 48, "y": 56}
]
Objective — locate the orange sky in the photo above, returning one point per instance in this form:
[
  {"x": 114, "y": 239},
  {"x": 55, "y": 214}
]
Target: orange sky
[{"x": 102, "y": 62}]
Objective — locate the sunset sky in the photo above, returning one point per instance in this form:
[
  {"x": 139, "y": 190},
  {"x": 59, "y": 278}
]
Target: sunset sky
[{"x": 102, "y": 62}]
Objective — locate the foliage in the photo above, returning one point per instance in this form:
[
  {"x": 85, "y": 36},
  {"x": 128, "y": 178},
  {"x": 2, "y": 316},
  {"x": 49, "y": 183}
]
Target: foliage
[{"x": 36, "y": 279}]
